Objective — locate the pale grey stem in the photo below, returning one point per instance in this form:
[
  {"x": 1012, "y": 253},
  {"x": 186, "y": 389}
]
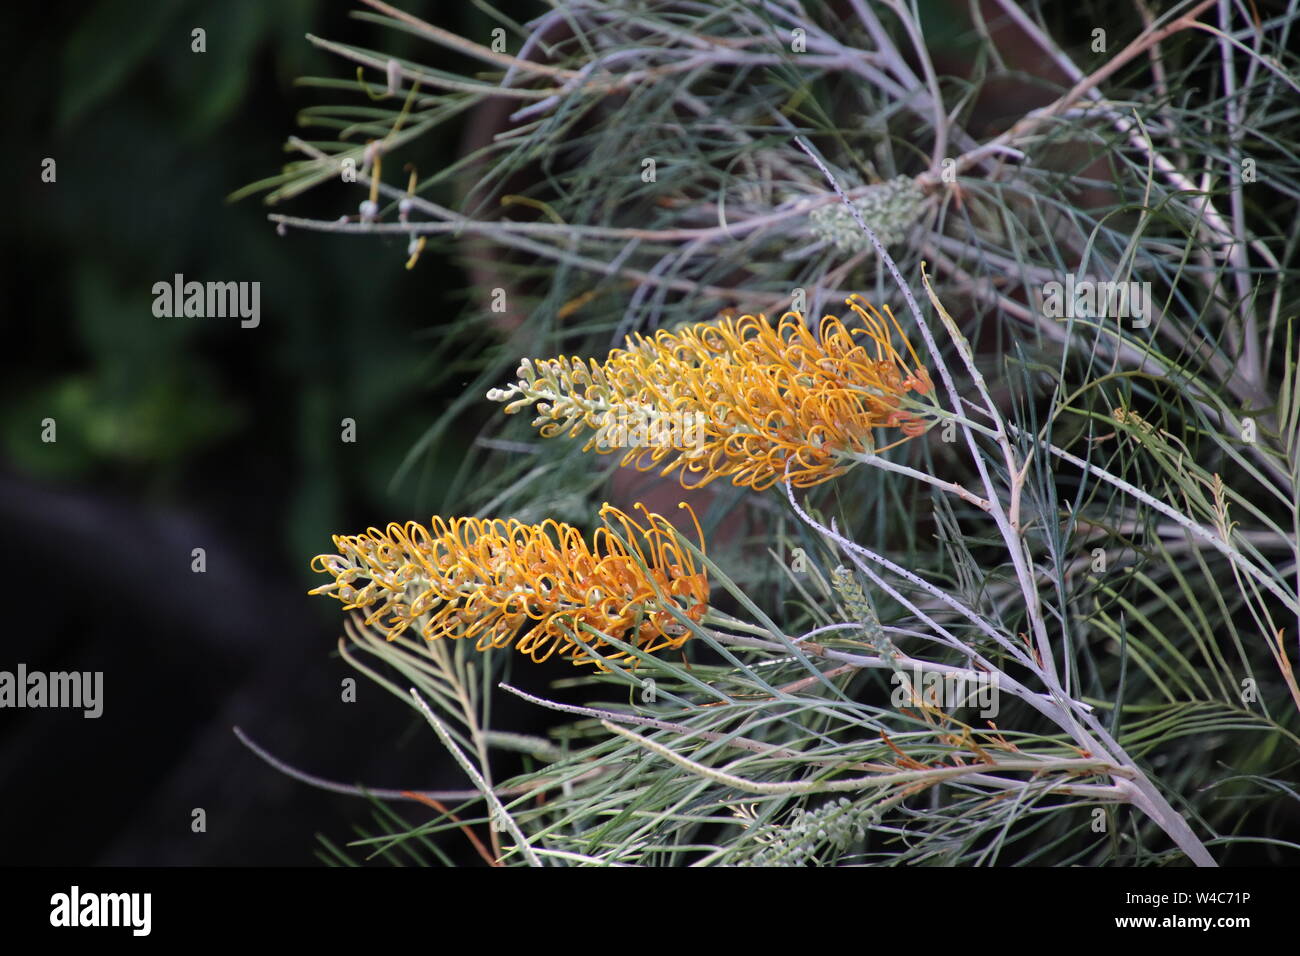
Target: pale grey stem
[{"x": 498, "y": 809}]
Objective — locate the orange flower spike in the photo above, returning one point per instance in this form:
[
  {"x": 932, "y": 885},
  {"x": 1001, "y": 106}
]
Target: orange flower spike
[
  {"x": 506, "y": 583},
  {"x": 737, "y": 399}
]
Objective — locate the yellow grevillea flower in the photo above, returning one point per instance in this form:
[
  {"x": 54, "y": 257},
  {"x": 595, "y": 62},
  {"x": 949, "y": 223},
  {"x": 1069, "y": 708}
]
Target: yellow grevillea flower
[
  {"x": 738, "y": 398},
  {"x": 533, "y": 586}
]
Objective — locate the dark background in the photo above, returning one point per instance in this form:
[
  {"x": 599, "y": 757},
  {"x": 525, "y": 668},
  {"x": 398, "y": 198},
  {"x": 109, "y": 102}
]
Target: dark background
[{"x": 181, "y": 433}]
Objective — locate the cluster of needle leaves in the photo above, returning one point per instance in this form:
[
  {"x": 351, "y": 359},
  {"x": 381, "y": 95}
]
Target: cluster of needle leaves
[{"x": 643, "y": 172}]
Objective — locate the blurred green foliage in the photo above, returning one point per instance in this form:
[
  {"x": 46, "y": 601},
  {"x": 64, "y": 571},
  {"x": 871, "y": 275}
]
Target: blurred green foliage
[{"x": 149, "y": 139}]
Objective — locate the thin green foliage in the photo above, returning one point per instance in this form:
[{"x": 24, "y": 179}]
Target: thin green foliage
[{"x": 1132, "y": 586}]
